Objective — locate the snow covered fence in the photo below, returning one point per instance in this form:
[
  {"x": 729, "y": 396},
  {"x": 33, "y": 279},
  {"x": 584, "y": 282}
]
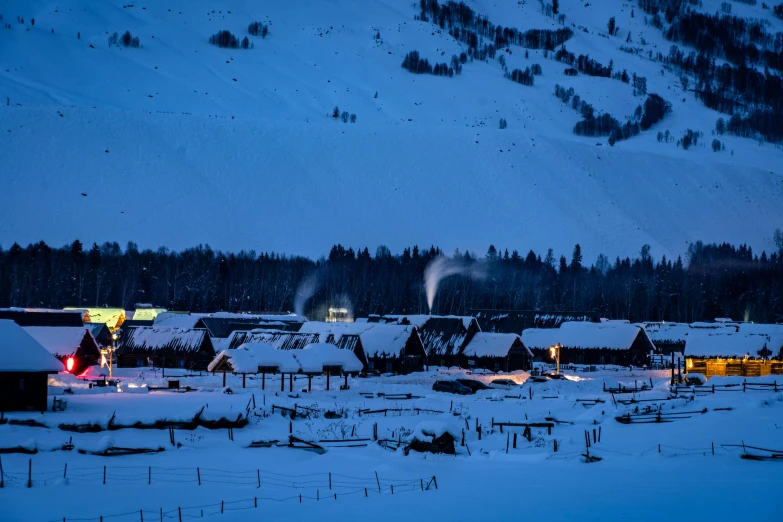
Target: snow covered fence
[{"x": 351, "y": 486}]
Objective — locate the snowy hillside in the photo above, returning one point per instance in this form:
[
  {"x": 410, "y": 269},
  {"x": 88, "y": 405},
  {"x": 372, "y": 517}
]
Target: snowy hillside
[{"x": 180, "y": 142}]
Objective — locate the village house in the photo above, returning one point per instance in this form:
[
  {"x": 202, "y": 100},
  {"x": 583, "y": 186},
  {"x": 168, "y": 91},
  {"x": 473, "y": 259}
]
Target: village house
[
  {"x": 74, "y": 346},
  {"x": 497, "y": 352},
  {"x": 112, "y": 317},
  {"x": 443, "y": 337},
  {"x": 165, "y": 347},
  {"x": 744, "y": 349},
  {"x": 25, "y": 367},
  {"x": 607, "y": 342}
]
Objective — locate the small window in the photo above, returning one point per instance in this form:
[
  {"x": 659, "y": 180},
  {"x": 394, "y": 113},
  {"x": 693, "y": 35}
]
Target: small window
[
  {"x": 140, "y": 362},
  {"x": 21, "y": 384},
  {"x": 181, "y": 363}
]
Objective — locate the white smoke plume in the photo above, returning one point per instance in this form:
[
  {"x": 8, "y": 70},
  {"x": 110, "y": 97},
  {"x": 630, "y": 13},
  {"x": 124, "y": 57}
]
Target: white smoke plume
[
  {"x": 307, "y": 288},
  {"x": 442, "y": 267}
]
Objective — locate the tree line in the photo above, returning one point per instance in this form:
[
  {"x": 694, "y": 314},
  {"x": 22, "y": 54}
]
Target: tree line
[{"x": 712, "y": 280}]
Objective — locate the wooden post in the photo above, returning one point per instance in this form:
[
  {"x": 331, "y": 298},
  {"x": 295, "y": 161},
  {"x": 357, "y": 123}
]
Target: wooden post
[
  {"x": 508, "y": 435},
  {"x": 659, "y": 448},
  {"x": 141, "y": 513},
  {"x": 224, "y": 378},
  {"x": 290, "y": 382},
  {"x": 327, "y": 380},
  {"x": 555, "y": 441},
  {"x": 309, "y": 382},
  {"x": 346, "y": 381},
  {"x": 290, "y": 427},
  {"x": 392, "y": 489},
  {"x": 713, "y": 448},
  {"x": 378, "y": 481},
  {"x": 599, "y": 433},
  {"x": 282, "y": 382},
  {"x": 243, "y": 380},
  {"x": 330, "y": 480},
  {"x": 258, "y": 474},
  {"x": 463, "y": 438},
  {"x": 179, "y": 511},
  {"x": 30, "y": 475},
  {"x": 222, "y": 506},
  {"x": 365, "y": 492},
  {"x": 65, "y": 471},
  {"x": 263, "y": 380},
  {"x": 515, "y": 440},
  {"x": 149, "y": 475},
  {"x": 2, "y": 475},
  {"x": 435, "y": 481},
  {"x": 255, "y": 502},
  {"x": 317, "y": 495},
  {"x": 594, "y": 436},
  {"x": 198, "y": 473},
  {"x": 161, "y": 514}
]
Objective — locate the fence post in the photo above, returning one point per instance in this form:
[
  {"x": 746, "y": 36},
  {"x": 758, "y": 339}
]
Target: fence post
[
  {"x": 222, "y": 505},
  {"x": 161, "y": 514},
  {"x": 421, "y": 483},
  {"x": 599, "y": 433},
  {"x": 365, "y": 492},
  {"x": 149, "y": 475},
  {"x": 30, "y": 475},
  {"x": 555, "y": 441},
  {"x": 515, "y": 440},
  {"x": 317, "y": 495},
  {"x": 179, "y": 511},
  {"x": 2, "y": 475},
  {"x": 255, "y": 501},
  {"x": 594, "y": 437},
  {"x": 104, "y": 475},
  {"x": 65, "y": 471},
  {"x": 435, "y": 481},
  {"x": 258, "y": 474},
  {"x": 330, "y": 480},
  {"x": 713, "y": 448},
  {"x": 392, "y": 490},
  {"x": 141, "y": 514},
  {"x": 508, "y": 436},
  {"x": 198, "y": 474},
  {"x": 378, "y": 481}
]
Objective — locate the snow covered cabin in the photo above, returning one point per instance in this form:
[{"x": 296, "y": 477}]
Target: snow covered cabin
[
  {"x": 74, "y": 346},
  {"x": 744, "y": 349},
  {"x": 254, "y": 358},
  {"x": 671, "y": 337},
  {"x": 443, "y": 336},
  {"x": 25, "y": 366},
  {"x": 497, "y": 352},
  {"x": 610, "y": 342},
  {"x": 327, "y": 359},
  {"x": 382, "y": 347},
  {"x": 165, "y": 347}
]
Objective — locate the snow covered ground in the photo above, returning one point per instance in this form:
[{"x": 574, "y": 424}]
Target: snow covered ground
[
  {"x": 647, "y": 471},
  {"x": 178, "y": 142}
]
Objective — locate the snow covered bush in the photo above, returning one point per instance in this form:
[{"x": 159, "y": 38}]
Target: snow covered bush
[{"x": 225, "y": 39}]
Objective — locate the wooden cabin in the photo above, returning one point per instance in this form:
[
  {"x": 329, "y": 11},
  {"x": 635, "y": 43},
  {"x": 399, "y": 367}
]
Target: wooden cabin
[
  {"x": 256, "y": 358},
  {"x": 748, "y": 350},
  {"x": 443, "y": 337},
  {"x": 671, "y": 337},
  {"x": 382, "y": 347},
  {"x": 144, "y": 312},
  {"x": 497, "y": 352},
  {"x": 165, "y": 347},
  {"x": 74, "y": 346},
  {"x": 609, "y": 342},
  {"x": 25, "y": 367}
]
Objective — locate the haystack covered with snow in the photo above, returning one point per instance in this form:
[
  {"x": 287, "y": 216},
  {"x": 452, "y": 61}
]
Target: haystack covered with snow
[
  {"x": 610, "y": 342},
  {"x": 318, "y": 358}
]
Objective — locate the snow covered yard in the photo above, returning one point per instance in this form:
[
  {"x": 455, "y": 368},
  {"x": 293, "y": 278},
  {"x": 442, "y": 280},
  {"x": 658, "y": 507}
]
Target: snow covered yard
[{"x": 647, "y": 471}]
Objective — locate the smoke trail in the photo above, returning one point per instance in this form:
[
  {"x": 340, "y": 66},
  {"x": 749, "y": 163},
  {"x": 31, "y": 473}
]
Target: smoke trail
[
  {"x": 442, "y": 267},
  {"x": 307, "y": 288}
]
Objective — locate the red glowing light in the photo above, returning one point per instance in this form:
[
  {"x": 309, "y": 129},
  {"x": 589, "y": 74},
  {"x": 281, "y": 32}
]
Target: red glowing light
[{"x": 69, "y": 364}]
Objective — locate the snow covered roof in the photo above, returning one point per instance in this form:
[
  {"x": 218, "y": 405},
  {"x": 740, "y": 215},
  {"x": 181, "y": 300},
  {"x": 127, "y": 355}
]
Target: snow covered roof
[
  {"x": 440, "y": 334},
  {"x": 315, "y": 357},
  {"x": 750, "y": 340},
  {"x": 377, "y": 339},
  {"x": 419, "y": 320},
  {"x": 145, "y": 313},
  {"x": 515, "y": 321},
  {"x": 20, "y": 352},
  {"x": 113, "y": 317},
  {"x": 279, "y": 339},
  {"x": 146, "y": 339},
  {"x": 586, "y": 335},
  {"x": 489, "y": 344},
  {"x": 177, "y": 319},
  {"x": 250, "y": 357},
  {"x": 42, "y": 317},
  {"x": 62, "y": 341}
]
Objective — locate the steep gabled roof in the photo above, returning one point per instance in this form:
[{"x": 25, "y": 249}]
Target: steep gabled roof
[
  {"x": 161, "y": 340},
  {"x": 64, "y": 341},
  {"x": 732, "y": 343},
  {"x": 19, "y": 352},
  {"x": 280, "y": 340},
  {"x": 377, "y": 339},
  {"x": 490, "y": 344}
]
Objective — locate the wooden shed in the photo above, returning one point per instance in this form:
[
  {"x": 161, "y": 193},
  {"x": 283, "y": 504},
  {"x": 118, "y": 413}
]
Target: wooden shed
[
  {"x": 497, "y": 352},
  {"x": 74, "y": 346},
  {"x": 165, "y": 347},
  {"x": 607, "y": 342},
  {"x": 25, "y": 367}
]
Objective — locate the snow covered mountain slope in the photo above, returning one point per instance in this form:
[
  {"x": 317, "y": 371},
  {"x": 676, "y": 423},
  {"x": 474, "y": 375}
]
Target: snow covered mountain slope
[{"x": 179, "y": 142}]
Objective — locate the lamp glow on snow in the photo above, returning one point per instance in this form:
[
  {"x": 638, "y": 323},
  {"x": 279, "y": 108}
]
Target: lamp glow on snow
[{"x": 69, "y": 364}]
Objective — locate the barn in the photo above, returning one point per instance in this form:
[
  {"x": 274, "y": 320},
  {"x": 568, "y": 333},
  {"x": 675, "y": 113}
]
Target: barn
[
  {"x": 607, "y": 342},
  {"x": 497, "y": 352},
  {"x": 25, "y": 366},
  {"x": 74, "y": 346},
  {"x": 165, "y": 347},
  {"x": 748, "y": 350},
  {"x": 389, "y": 348}
]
